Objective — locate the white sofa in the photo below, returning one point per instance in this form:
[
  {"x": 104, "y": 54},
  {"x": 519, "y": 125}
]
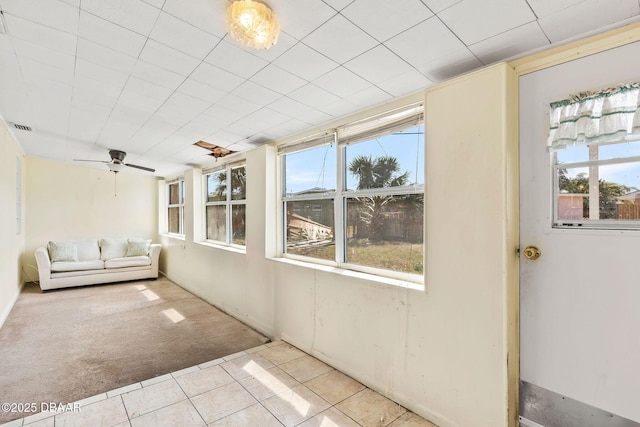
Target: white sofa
[{"x": 91, "y": 261}]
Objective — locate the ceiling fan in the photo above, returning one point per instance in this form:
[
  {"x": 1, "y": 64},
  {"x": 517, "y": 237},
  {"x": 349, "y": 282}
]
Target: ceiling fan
[{"x": 117, "y": 162}]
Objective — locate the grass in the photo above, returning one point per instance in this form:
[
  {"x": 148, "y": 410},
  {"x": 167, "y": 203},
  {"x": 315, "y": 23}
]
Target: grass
[{"x": 397, "y": 256}]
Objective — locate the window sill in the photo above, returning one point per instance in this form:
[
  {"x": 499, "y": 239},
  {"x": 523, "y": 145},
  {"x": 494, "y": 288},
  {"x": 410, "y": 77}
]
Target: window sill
[
  {"x": 353, "y": 274},
  {"x": 173, "y": 236},
  {"x": 234, "y": 249}
]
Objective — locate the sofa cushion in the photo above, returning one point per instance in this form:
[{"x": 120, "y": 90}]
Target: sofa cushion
[
  {"x": 88, "y": 250},
  {"x": 138, "y": 247},
  {"x": 132, "y": 261},
  {"x": 77, "y": 265},
  {"x": 63, "y": 250},
  {"x": 112, "y": 248}
]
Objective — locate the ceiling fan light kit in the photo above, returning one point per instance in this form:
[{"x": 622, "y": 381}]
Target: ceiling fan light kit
[
  {"x": 253, "y": 24},
  {"x": 116, "y": 164}
]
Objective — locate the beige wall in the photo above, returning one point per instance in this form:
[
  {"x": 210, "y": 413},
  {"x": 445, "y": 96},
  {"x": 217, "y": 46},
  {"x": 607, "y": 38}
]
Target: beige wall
[
  {"x": 68, "y": 201},
  {"x": 12, "y": 240},
  {"x": 443, "y": 353}
]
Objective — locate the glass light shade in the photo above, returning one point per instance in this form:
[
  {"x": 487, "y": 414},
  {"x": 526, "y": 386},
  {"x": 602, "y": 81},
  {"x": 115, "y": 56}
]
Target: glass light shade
[
  {"x": 253, "y": 24},
  {"x": 115, "y": 167}
]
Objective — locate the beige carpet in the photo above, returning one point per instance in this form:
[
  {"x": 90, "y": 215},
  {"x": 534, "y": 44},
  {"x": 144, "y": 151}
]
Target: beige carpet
[{"x": 68, "y": 344}]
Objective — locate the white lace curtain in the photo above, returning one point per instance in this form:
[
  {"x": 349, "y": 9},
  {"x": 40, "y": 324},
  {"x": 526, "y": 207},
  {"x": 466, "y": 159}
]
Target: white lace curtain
[{"x": 608, "y": 115}]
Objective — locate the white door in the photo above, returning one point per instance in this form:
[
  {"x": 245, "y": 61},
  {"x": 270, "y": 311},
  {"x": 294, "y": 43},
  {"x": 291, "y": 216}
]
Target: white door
[{"x": 580, "y": 300}]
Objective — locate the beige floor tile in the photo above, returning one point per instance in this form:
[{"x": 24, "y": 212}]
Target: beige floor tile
[
  {"x": 246, "y": 366},
  {"x": 332, "y": 417},
  {"x": 409, "y": 419},
  {"x": 47, "y": 422},
  {"x": 334, "y": 386},
  {"x": 254, "y": 415},
  {"x": 268, "y": 383},
  {"x": 181, "y": 414},
  {"x": 149, "y": 399},
  {"x": 105, "y": 413},
  {"x": 281, "y": 353},
  {"x": 223, "y": 401},
  {"x": 296, "y": 405},
  {"x": 305, "y": 368},
  {"x": 371, "y": 409},
  {"x": 204, "y": 380}
]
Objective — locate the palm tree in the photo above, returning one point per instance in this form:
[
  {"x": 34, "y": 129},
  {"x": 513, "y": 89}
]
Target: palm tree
[{"x": 379, "y": 172}]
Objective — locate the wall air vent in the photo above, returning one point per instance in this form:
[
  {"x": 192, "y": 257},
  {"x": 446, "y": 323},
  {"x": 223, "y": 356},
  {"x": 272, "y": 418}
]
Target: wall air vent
[{"x": 21, "y": 127}]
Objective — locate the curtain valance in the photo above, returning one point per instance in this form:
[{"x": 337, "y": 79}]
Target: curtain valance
[{"x": 607, "y": 115}]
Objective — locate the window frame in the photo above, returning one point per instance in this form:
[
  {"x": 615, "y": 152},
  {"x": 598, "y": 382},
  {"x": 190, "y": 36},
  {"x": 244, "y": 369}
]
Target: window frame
[
  {"x": 593, "y": 162},
  {"x": 180, "y": 205},
  {"x": 340, "y": 196},
  {"x": 228, "y": 203}
]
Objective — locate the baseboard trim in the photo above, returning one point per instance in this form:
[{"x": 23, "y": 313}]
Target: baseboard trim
[{"x": 5, "y": 313}]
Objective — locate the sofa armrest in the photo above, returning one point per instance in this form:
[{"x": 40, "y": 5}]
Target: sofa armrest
[
  {"x": 154, "y": 254},
  {"x": 44, "y": 268}
]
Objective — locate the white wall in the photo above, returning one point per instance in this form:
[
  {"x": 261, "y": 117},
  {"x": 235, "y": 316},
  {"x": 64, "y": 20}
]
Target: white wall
[
  {"x": 68, "y": 201},
  {"x": 442, "y": 353},
  {"x": 11, "y": 241}
]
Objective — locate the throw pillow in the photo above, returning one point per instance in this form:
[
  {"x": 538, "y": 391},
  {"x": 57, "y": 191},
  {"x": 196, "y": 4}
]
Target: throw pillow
[
  {"x": 63, "y": 251},
  {"x": 138, "y": 247}
]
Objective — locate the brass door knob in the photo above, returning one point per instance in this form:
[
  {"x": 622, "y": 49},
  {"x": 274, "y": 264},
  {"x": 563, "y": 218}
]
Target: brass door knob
[{"x": 532, "y": 253}]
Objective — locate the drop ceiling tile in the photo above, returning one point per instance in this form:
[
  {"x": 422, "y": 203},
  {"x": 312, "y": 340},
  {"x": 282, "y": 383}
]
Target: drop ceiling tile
[
  {"x": 135, "y": 15},
  {"x": 341, "y": 108},
  {"x": 38, "y": 53},
  {"x": 151, "y": 134},
  {"x": 84, "y": 126},
  {"x": 255, "y": 93},
  {"x": 235, "y": 60},
  {"x": 341, "y": 82},
  {"x": 88, "y": 90},
  {"x": 299, "y": 18},
  {"x": 585, "y": 16},
  {"x": 100, "y": 74},
  {"x": 116, "y": 131},
  {"x": 183, "y": 36},
  {"x": 105, "y": 56},
  {"x": 136, "y": 100},
  {"x": 266, "y": 118},
  {"x": 305, "y": 62},
  {"x": 207, "y": 15},
  {"x": 157, "y": 75},
  {"x": 278, "y": 80},
  {"x": 201, "y": 90},
  {"x": 216, "y": 77},
  {"x": 40, "y": 75},
  {"x": 314, "y": 96},
  {"x": 136, "y": 117},
  {"x": 75, "y": 3},
  {"x": 377, "y": 65},
  {"x": 184, "y": 105},
  {"x": 547, "y": 7},
  {"x": 110, "y": 35},
  {"x": 383, "y": 19},
  {"x": 370, "y": 96},
  {"x": 285, "y": 42},
  {"x": 474, "y": 21},
  {"x": 338, "y": 4},
  {"x": 156, "y": 3},
  {"x": 236, "y": 104},
  {"x": 293, "y": 108},
  {"x": 513, "y": 42},
  {"x": 168, "y": 58},
  {"x": 408, "y": 82},
  {"x": 437, "y": 6},
  {"x": 194, "y": 131},
  {"x": 40, "y": 35},
  {"x": 340, "y": 40},
  {"x": 217, "y": 117},
  {"x": 290, "y": 127},
  {"x": 430, "y": 46},
  {"x": 146, "y": 88},
  {"x": 54, "y": 14}
]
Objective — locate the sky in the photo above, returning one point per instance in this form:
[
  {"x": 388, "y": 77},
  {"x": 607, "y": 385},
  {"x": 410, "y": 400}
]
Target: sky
[
  {"x": 317, "y": 167},
  {"x": 623, "y": 173}
]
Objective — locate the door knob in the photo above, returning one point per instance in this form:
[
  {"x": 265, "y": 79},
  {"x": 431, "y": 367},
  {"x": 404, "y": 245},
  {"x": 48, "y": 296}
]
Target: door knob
[{"x": 532, "y": 253}]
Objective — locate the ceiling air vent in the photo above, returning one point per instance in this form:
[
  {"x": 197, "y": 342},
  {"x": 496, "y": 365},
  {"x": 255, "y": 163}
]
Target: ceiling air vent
[{"x": 21, "y": 127}]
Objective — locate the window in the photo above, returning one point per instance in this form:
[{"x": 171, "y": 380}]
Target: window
[
  {"x": 355, "y": 197},
  {"x": 594, "y": 141},
  {"x": 225, "y": 207},
  {"x": 175, "y": 208},
  {"x": 598, "y": 185}
]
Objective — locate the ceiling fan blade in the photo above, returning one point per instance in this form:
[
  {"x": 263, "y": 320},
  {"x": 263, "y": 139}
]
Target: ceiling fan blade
[
  {"x": 139, "y": 167},
  {"x": 85, "y": 160}
]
